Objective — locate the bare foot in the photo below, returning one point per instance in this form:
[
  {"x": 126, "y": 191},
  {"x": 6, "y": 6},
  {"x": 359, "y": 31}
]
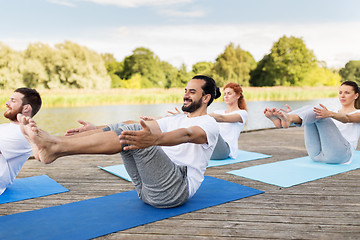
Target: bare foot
[
  {"x": 42, "y": 143},
  {"x": 269, "y": 113},
  {"x": 285, "y": 122}
]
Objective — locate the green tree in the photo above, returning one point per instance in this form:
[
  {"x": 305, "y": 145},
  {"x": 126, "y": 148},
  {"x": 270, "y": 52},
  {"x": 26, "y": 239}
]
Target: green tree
[
  {"x": 82, "y": 67},
  {"x": 287, "y": 64},
  {"x": 135, "y": 82},
  {"x": 171, "y": 73},
  {"x": 351, "y": 71},
  {"x": 202, "y": 68},
  {"x": 51, "y": 63},
  {"x": 233, "y": 65},
  {"x": 33, "y": 73},
  {"x": 10, "y": 68},
  {"x": 183, "y": 76},
  {"x": 108, "y": 57},
  {"x": 321, "y": 76},
  {"x": 260, "y": 76},
  {"x": 68, "y": 65},
  {"x": 147, "y": 64},
  {"x": 114, "y": 69}
]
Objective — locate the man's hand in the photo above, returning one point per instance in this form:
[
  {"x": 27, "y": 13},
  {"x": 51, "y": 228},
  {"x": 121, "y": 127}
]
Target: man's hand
[
  {"x": 148, "y": 118},
  {"x": 139, "y": 139},
  {"x": 86, "y": 127},
  {"x": 177, "y": 111}
]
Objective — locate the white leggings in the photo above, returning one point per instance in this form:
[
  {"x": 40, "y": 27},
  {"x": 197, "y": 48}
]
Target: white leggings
[{"x": 323, "y": 140}]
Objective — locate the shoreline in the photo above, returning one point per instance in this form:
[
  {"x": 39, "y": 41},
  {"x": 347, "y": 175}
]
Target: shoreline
[{"x": 83, "y": 97}]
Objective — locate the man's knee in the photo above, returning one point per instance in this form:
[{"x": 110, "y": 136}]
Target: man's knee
[
  {"x": 131, "y": 127},
  {"x": 115, "y": 127},
  {"x": 123, "y": 126}
]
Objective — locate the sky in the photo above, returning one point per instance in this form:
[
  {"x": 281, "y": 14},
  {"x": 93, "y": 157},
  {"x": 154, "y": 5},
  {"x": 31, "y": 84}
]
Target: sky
[{"x": 185, "y": 31}]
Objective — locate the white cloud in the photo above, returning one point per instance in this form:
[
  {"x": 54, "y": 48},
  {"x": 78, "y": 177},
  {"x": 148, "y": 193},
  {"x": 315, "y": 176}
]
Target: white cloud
[
  {"x": 334, "y": 43},
  {"x": 64, "y": 3},
  {"x": 138, "y": 3},
  {"x": 163, "y": 7},
  {"x": 178, "y": 13}
]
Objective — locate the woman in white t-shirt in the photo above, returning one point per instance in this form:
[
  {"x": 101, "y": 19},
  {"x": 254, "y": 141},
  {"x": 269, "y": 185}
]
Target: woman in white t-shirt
[
  {"x": 231, "y": 122},
  {"x": 330, "y": 136}
]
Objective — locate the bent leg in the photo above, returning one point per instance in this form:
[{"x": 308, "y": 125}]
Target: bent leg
[
  {"x": 312, "y": 142},
  {"x": 335, "y": 148},
  {"x": 129, "y": 162},
  {"x": 325, "y": 143},
  {"x": 158, "y": 181},
  {"x": 221, "y": 151}
]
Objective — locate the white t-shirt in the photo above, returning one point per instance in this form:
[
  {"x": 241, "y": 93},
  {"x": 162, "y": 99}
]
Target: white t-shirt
[
  {"x": 15, "y": 150},
  {"x": 350, "y": 131},
  {"x": 195, "y": 156},
  {"x": 230, "y": 132}
]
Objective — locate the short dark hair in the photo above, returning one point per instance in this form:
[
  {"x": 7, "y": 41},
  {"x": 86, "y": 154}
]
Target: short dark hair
[
  {"x": 32, "y": 97},
  {"x": 209, "y": 87}
]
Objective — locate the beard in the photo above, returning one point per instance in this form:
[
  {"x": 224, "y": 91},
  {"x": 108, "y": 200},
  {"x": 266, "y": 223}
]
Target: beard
[
  {"x": 193, "y": 106},
  {"x": 11, "y": 114}
]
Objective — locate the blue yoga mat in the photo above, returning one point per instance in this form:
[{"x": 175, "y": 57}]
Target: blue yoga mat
[
  {"x": 118, "y": 170},
  {"x": 295, "y": 171},
  {"x": 243, "y": 156},
  {"x": 31, "y": 187},
  {"x": 100, "y": 216}
]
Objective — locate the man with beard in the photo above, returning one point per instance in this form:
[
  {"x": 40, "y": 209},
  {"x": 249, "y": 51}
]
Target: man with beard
[
  {"x": 166, "y": 159},
  {"x": 14, "y": 148}
]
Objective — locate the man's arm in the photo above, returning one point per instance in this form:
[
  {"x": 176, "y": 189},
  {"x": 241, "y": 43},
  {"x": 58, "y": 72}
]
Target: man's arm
[
  {"x": 86, "y": 126},
  {"x": 89, "y": 128},
  {"x": 151, "y": 135}
]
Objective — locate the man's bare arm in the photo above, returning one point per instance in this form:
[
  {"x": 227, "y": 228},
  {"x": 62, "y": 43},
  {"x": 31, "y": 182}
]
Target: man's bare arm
[{"x": 151, "y": 135}]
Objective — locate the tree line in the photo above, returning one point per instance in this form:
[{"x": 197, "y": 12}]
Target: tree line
[{"x": 69, "y": 65}]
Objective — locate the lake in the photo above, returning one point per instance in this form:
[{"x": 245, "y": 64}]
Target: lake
[{"x": 58, "y": 120}]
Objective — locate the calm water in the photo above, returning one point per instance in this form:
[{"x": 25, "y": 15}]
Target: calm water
[{"x": 58, "y": 120}]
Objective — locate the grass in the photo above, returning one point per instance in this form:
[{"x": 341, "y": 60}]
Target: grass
[
  {"x": 289, "y": 93},
  {"x": 80, "y": 97}
]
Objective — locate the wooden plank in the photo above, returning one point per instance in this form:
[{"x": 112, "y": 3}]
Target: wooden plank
[{"x": 327, "y": 208}]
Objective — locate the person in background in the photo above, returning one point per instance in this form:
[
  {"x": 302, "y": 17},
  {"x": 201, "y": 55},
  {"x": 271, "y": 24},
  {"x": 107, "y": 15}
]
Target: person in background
[
  {"x": 330, "y": 136},
  {"x": 231, "y": 122},
  {"x": 14, "y": 148}
]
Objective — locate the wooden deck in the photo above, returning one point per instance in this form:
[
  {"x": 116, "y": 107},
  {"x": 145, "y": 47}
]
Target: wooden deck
[{"x": 328, "y": 208}]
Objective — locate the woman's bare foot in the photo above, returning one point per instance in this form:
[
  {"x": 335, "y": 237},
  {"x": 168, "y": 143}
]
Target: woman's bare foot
[
  {"x": 269, "y": 113},
  {"x": 284, "y": 119},
  {"x": 42, "y": 143}
]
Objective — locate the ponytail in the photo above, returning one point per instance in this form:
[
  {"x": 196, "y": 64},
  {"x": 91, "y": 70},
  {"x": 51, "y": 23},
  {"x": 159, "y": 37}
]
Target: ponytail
[
  {"x": 209, "y": 87},
  {"x": 356, "y": 90},
  {"x": 238, "y": 90}
]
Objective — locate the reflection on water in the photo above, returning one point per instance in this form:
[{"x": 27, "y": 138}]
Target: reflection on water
[{"x": 58, "y": 120}]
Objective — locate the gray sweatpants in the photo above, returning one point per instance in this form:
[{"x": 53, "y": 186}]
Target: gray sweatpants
[{"x": 158, "y": 181}]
